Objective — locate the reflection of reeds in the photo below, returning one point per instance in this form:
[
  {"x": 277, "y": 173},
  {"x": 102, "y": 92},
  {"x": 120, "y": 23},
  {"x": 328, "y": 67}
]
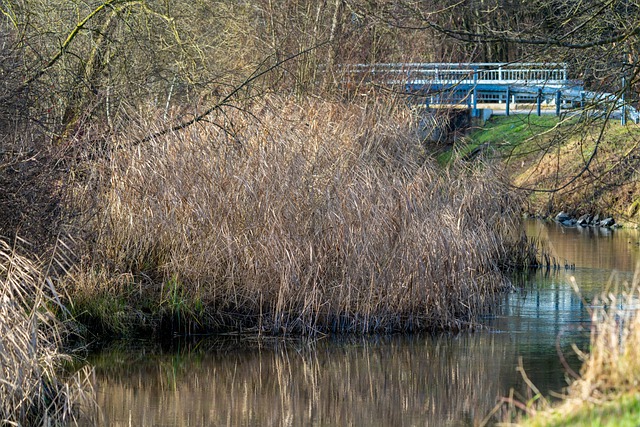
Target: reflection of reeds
[
  {"x": 32, "y": 391},
  {"x": 297, "y": 218},
  {"x": 597, "y": 248},
  {"x": 374, "y": 382}
]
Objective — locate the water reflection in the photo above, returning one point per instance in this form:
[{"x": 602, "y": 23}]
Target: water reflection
[
  {"x": 401, "y": 381},
  {"x": 588, "y": 247}
]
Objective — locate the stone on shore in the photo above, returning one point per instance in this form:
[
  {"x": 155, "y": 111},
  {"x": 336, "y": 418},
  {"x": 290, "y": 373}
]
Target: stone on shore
[
  {"x": 607, "y": 222},
  {"x": 584, "y": 220}
]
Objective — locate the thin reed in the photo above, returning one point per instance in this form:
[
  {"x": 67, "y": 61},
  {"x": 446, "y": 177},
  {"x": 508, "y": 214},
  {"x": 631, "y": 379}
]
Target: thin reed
[
  {"x": 295, "y": 217},
  {"x": 32, "y": 389},
  {"x": 612, "y": 366}
]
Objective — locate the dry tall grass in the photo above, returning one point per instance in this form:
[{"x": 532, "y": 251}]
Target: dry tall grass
[
  {"x": 32, "y": 391},
  {"x": 612, "y": 366},
  {"x": 296, "y": 217}
]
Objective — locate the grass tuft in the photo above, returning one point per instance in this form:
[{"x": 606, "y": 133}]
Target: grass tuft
[{"x": 607, "y": 392}]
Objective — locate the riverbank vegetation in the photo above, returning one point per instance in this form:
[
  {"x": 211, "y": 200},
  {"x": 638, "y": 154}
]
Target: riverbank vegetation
[
  {"x": 308, "y": 217},
  {"x": 147, "y": 137},
  {"x": 34, "y": 390},
  {"x": 590, "y": 165},
  {"x": 606, "y": 393}
]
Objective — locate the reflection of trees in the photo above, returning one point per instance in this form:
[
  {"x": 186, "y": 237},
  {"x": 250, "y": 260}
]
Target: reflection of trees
[
  {"x": 388, "y": 381},
  {"x": 591, "y": 247}
]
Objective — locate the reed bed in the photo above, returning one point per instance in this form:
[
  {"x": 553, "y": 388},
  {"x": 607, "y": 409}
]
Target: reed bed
[
  {"x": 294, "y": 217},
  {"x": 33, "y": 390}
]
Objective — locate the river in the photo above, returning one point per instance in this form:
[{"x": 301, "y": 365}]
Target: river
[{"x": 444, "y": 380}]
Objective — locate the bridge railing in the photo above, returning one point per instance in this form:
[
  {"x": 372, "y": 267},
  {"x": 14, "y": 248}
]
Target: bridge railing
[
  {"x": 500, "y": 73},
  {"x": 489, "y": 83}
]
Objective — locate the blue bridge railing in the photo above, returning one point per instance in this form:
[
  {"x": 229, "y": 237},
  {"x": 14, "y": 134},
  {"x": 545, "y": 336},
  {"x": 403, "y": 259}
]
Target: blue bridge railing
[{"x": 471, "y": 84}]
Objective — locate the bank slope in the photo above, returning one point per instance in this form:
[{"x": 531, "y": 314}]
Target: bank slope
[{"x": 572, "y": 164}]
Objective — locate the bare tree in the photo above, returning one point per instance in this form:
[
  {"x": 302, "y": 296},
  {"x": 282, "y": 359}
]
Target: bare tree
[{"x": 74, "y": 73}]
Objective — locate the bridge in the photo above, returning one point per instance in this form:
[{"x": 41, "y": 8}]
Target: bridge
[{"x": 474, "y": 85}]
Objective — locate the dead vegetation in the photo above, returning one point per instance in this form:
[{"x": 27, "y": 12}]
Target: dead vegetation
[
  {"x": 605, "y": 392},
  {"x": 33, "y": 387},
  {"x": 612, "y": 366},
  {"x": 293, "y": 218}
]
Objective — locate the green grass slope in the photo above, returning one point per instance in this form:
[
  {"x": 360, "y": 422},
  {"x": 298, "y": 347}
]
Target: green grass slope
[{"x": 621, "y": 412}]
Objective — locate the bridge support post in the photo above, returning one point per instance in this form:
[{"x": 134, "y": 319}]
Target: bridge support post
[
  {"x": 508, "y": 101},
  {"x": 558, "y": 102},
  {"x": 474, "y": 112},
  {"x": 539, "y": 102}
]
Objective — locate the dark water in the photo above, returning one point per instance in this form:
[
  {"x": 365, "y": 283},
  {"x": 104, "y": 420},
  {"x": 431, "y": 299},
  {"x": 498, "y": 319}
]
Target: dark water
[{"x": 385, "y": 381}]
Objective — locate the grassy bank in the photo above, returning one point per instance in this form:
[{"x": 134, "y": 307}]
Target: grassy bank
[
  {"x": 619, "y": 411},
  {"x": 592, "y": 165},
  {"x": 292, "y": 218}
]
